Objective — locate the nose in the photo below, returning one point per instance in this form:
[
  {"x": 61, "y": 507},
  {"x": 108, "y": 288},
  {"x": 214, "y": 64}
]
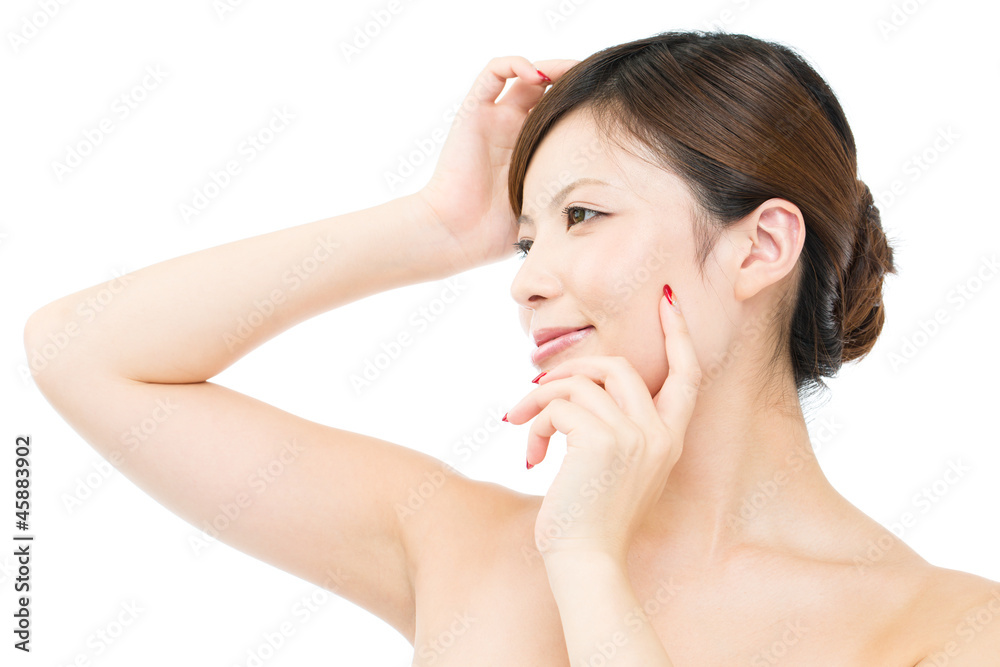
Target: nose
[{"x": 538, "y": 277}]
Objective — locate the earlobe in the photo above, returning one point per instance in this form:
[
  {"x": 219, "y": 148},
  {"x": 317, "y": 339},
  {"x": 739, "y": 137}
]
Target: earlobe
[{"x": 776, "y": 231}]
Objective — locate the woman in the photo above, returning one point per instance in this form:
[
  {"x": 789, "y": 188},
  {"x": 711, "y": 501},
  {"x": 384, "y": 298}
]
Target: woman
[{"x": 705, "y": 256}]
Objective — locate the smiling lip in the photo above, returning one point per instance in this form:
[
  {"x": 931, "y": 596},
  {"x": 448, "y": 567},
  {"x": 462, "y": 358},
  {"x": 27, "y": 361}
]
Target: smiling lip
[{"x": 555, "y": 345}]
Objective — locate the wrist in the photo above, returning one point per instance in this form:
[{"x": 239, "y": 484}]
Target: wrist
[
  {"x": 578, "y": 577},
  {"x": 447, "y": 248},
  {"x": 582, "y": 549},
  {"x": 578, "y": 562}
]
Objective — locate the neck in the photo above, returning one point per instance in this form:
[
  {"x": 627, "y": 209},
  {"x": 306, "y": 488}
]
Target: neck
[{"x": 747, "y": 475}]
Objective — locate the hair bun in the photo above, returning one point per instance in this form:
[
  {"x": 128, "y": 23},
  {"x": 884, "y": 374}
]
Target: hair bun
[{"x": 860, "y": 309}]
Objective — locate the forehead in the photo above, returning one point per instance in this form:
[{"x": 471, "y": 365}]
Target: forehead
[{"x": 576, "y": 150}]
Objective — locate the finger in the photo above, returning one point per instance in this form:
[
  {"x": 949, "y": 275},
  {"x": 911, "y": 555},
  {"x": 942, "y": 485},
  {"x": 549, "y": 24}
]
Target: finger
[
  {"x": 492, "y": 79},
  {"x": 563, "y": 417},
  {"x": 620, "y": 380},
  {"x": 675, "y": 401},
  {"x": 555, "y": 68},
  {"x": 578, "y": 390},
  {"x": 526, "y": 93}
]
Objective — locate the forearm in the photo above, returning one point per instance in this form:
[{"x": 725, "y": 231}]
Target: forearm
[
  {"x": 602, "y": 619},
  {"x": 188, "y": 318}
]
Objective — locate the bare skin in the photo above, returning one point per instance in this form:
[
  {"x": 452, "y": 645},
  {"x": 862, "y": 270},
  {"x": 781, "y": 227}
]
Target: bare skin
[
  {"x": 814, "y": 607},
  {"x": 474, "y": 576}
]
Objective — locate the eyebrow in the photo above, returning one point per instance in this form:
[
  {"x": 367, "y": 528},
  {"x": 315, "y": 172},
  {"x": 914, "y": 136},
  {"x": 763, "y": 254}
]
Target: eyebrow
[{"x": 526, "y": 219}]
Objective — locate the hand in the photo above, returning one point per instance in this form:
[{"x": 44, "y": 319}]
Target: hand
[
  {"x": 621, "y": 443},
  {"x": 468, "y": 191}
]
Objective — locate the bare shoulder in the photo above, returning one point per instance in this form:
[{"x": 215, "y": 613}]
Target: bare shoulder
[
  {"x": 957, "y": 619},
  {"x": 918, "y": 614},
  {"x": 452, "y": 522}
]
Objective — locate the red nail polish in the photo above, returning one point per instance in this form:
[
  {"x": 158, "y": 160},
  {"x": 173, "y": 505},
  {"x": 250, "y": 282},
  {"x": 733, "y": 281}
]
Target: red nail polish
[
  {"x": 504, "y": 418},
  {"x": 544, "y": 78},
  {"x": 530, "y": 466},
  {"x": 539, "y": 377},
  {"x": 669, "y": 293}
]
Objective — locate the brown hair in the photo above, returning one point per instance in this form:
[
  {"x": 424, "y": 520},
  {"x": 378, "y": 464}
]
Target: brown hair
[{"x": 741, "y": 120}]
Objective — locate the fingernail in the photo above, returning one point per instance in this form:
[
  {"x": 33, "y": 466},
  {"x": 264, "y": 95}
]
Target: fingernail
[
  {"x": 544, "y": 78},
  {"x": 539, "y": 377},
  {"x": 528, "y": 464},
  {"x": 671, "y": 299},
  {"x": 504, "y": 418}
]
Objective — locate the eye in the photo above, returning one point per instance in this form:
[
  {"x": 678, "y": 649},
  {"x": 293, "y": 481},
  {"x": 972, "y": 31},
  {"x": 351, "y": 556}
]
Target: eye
[
  {"x": 522, "y": 248},
  {"x": 571, "y": 212}
]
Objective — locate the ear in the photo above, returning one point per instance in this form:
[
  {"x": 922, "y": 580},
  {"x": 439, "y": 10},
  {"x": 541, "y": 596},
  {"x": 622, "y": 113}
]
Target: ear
[{"x": 770, "y": 240}]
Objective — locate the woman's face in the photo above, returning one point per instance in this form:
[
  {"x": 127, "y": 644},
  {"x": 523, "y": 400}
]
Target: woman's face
[{"x": 607, "y": 269}]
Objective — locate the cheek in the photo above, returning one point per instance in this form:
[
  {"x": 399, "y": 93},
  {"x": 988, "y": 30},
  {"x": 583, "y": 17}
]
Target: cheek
[
  {"x": 645, "y": 347},
  {"x": 632, "y": 329},
  {"x": 615, "y": 287}
]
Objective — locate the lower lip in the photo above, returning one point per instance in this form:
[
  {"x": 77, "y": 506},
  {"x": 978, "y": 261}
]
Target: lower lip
[{"x": 556, "y": 345}]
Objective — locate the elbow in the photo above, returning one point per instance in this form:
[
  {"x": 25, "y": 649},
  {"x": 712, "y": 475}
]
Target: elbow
[
  {"x": 48, "y": 336},
  {"x": 38, "y": 355}
]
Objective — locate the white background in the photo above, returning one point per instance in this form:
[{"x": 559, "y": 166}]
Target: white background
[{"x": 887, "y": 431}]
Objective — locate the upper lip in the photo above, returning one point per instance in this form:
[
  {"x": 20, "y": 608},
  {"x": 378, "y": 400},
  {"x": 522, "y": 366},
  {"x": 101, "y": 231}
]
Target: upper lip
[{"x": 546, "y": 334}]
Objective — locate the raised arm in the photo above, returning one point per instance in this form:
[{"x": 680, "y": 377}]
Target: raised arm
[
  {"x": 186, "y": 319},
  {"x": 313, "y": 500}
]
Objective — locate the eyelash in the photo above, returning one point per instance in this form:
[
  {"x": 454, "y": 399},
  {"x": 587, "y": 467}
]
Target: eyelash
[{"x": 520, "y": 245}]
